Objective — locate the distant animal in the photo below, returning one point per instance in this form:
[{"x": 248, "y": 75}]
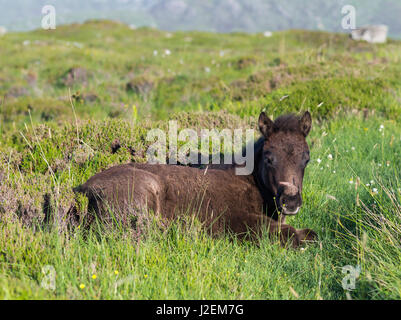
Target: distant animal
[
  {"x": 3, "y": 31},
  {"x": 222, "y": 200},
  {"x": 267, "y": 34},
  {"x": 371, "y": 34}
]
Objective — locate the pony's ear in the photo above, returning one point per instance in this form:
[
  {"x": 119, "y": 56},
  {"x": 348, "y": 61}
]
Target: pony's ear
[
  {"x": 265, "y": 125},
  {"x": 306, "y": 123}
]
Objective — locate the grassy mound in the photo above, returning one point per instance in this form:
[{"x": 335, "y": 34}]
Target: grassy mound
[{"x": 108, "y": 67}]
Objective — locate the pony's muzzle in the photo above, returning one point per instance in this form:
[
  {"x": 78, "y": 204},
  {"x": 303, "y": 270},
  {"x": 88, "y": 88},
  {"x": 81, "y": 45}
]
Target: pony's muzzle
[
  {"x": 289, "y": 199},
  {"x": 287, "y": 212}
]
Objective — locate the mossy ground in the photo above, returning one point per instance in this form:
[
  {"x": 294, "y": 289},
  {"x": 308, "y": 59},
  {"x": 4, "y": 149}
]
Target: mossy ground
[{"x": 352, "y": 186}]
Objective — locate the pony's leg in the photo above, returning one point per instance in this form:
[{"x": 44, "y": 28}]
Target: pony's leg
[
  {"x": 307, "y": 235},
  {"x": 287, "y": 234}
]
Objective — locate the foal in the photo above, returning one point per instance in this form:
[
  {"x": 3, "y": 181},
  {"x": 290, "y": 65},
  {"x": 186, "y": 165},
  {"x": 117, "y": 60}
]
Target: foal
[{"x": 221, "y": 200}]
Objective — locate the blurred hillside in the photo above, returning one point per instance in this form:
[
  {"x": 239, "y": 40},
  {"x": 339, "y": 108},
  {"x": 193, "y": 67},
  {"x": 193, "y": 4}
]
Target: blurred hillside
[
  {"x": 109, "y": 67},
  {"x": 211, "y": 15}
]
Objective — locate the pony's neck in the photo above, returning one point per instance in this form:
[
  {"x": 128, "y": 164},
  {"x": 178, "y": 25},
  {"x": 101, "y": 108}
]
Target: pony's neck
[{"x": 269, "y": 206}]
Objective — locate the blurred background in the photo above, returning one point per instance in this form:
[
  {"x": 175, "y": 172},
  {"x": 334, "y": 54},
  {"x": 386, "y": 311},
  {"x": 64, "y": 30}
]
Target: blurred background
[
  {"x": 207, "y": 15},
  {"x": 155, "y": 58}
]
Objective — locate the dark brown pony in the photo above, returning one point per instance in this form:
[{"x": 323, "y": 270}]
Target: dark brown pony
[{"x": 222, "y": 200}]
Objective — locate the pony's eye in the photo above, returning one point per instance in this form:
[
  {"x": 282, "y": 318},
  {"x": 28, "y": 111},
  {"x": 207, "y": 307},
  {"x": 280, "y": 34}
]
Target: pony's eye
[
  {"x": 269, "y": 158},
  {"x": 306, "y": 158}
]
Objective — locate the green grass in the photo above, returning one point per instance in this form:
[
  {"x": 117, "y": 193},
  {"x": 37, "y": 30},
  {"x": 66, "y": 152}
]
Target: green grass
[
  {"x": 183, "y": 263},
  {"x": 352, "y": 186}
]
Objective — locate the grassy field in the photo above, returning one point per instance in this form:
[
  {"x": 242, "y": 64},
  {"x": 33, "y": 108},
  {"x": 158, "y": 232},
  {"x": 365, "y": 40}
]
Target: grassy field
[{"x": 69, "y": 94}]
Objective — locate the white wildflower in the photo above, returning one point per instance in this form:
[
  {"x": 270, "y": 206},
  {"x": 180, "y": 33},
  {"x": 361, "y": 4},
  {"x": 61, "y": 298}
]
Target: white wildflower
[{"x": 78, "y": 45}]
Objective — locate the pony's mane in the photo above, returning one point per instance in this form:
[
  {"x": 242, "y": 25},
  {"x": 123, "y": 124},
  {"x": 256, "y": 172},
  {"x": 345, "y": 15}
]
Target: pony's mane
[
  {"x": 258, "y": 145},
  {"x": 286, "y": 123}
]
